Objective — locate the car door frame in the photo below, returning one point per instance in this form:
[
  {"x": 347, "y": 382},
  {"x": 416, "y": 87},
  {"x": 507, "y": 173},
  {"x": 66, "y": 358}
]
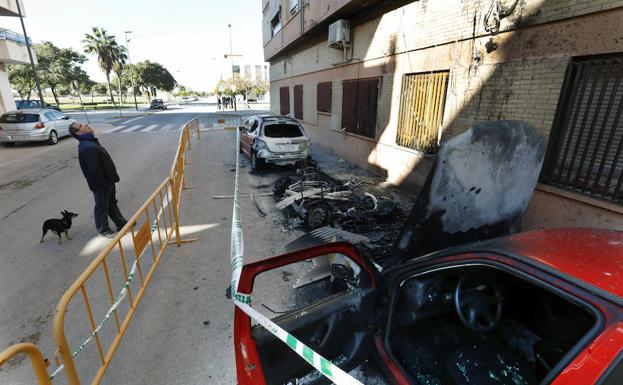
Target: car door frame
[
  {"x": 248, "y": 362},
  {"x": 244, "y": 137}
]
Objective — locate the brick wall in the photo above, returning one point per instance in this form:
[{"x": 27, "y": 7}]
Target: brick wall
[{"x": 509, "y": 75}]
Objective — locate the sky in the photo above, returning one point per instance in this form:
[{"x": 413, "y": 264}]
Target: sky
[{"x": 188, "y": 37}]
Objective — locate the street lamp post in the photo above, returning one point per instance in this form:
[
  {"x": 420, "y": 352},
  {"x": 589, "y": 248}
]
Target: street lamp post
[
  {"x": 231, "y": 51},
  {"x": 32, "y": 61},
  {"x": 127, "y": 46}
]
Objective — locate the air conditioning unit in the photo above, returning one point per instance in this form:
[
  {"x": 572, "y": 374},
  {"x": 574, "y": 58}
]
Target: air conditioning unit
[{"x": 339, "y": 34}]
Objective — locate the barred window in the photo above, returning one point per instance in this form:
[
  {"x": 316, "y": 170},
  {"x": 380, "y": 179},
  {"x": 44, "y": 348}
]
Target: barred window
[
  {"x": 586, "y": 142},
  {"x": 421, "y": 110}
]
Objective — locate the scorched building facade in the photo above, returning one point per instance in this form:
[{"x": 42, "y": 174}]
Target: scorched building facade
[{"x": 384, "y": 83}]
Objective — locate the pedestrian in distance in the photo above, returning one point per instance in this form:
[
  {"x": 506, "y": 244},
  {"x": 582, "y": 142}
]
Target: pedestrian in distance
[
  {"x": 218, "y": 102},
  {"x": 101, "y": 175}
]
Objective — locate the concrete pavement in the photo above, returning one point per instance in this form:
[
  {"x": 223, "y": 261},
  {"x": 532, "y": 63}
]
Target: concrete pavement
[{"x": 182, "y": 333}]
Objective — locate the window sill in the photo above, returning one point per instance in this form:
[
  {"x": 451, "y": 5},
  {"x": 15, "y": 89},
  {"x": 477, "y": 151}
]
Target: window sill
[
  {"x": 367, "y": 139},
  {"x": 324, "y": 113},
  {"x": 580, "y": 198}
]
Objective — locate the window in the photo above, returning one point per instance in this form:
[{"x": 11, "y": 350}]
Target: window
[
  {"x": 421, "y": 110},
  {"x": 298, "y": 102},
  {"x": 585, "y": 152},
  {"x": 19, "y": 118},
  {"x": 359, "y": 105},
  {"x": 293, "y": 6},
  {"x": 284, "y": 100},
  {"x": 324, "y": 92},
  {"x": 275, "y": 23},
  {"x": 282, "y": 130},
  {"x": 50, "y": 116}
]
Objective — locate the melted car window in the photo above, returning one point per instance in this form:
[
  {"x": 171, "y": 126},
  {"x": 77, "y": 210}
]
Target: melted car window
[
  {"x": 282, "y": 131},
  {"x": 19, "y": 118}
]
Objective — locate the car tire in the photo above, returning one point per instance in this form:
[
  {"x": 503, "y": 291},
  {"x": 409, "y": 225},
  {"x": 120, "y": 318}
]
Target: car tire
[
  {"x": 53, "y": 138},
  {"x": 317, "y": 216},
  {"x": 257, "y": 164}
]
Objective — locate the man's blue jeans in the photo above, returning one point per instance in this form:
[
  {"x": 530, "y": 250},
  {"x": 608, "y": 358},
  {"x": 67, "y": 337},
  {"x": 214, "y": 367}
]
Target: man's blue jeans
[{"x": 105, "y": 206}]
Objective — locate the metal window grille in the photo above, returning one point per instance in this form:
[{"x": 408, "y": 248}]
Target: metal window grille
[
  {"x": 586, "y": 142},
  {"x": 421, "y": 110}
]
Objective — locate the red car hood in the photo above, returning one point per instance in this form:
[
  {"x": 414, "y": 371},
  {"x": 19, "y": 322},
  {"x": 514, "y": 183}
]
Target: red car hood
[{"x": 592, "y": 256}]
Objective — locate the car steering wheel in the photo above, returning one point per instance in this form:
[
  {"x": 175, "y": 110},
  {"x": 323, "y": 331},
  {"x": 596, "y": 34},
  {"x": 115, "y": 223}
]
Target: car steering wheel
[{"x": 478, "y": 302}]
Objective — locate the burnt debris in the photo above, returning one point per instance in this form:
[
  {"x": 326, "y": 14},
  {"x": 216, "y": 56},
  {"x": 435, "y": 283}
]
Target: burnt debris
[{"x": 317, "y": 201}]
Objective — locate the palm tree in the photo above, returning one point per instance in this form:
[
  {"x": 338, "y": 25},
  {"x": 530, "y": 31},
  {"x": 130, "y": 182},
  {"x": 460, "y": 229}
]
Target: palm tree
[
  {"x": 105, "y": 46},
  {"x": 119, "y": 59}
]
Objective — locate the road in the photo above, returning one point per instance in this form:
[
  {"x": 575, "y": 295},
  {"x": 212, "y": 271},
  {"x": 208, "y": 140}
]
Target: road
[{"x": 182, "y": 333}]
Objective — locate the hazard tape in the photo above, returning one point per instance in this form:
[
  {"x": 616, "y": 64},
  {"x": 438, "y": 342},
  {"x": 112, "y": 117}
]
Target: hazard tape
[
  {"x": 243, "y": 301},
  {"x": 122, "y": 294}
]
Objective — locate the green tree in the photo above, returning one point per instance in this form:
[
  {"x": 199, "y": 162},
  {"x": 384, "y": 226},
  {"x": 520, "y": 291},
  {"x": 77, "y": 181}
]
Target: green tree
[
  {"x": 100, "y": 43},
  {"x": 99, "y": 89},
  {"x": 120, "y": 57},
  {"x": 56, "y": 66},
  {"x": 260, "y": 87},
  {"x": 21, "y": 79},
  {"x": 151, "y": 76}
]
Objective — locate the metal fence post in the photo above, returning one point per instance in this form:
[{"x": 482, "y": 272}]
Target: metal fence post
[{"x": 39, "y": 364}]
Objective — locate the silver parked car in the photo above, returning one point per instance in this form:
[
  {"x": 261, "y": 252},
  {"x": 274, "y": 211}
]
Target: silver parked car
[
  {"x": 273, "y": 139},
  {"x": 33, "y": 125}
]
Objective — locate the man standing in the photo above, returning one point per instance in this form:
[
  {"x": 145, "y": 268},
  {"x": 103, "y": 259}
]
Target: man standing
[{"x": 101, "y": 175}]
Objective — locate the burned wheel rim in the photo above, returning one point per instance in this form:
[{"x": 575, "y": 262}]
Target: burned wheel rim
[
  {"x": 253, "y": 162},
  {"x": 317, "y": 216}
]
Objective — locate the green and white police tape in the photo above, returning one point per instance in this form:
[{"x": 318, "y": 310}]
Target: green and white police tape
[{"x": 243, "y": 301}]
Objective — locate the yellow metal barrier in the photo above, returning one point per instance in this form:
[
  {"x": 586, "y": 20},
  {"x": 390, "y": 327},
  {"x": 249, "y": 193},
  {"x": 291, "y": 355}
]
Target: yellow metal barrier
[
  {"x": 149, "y": 231},
  {"x": 39, "y": 364}
]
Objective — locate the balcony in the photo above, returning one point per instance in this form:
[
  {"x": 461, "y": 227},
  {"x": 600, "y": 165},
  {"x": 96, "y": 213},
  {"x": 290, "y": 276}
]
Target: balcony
[
  {"x": 317, "y": 15},
  {"x": 13, "y": 48},
  {"x": 9, "y": 8}
]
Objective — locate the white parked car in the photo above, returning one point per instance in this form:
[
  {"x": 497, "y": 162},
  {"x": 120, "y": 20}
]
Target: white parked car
[
  {"x": 273, "y": 139},
  {"x": 33, "y": 125}
]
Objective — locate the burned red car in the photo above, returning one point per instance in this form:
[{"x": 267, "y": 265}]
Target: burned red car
[
  {"x": 463, "y": 297},
  {"x": 535, "y": 308}
]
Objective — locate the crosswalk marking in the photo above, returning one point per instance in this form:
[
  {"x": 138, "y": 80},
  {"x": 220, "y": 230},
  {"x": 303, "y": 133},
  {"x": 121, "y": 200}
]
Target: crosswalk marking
[
  {"x": 133, "y": 119},
  {"x": 116, "y": 129},
  {"x": 167, "y": 127},
  {"x": 149, "y": 128},
  {"x": 133, "y": 128}
]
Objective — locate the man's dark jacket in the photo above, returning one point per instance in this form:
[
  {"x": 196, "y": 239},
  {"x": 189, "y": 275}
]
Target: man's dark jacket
[{"x": 97, "y": 166}]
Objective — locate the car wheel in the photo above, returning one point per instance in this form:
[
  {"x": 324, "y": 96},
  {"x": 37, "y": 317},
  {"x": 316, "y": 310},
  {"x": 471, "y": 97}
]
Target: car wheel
[
  {"x": 53, "y": 139},
  {"x": 317, "y": 216},
  {"x": 256, "y": 163}
]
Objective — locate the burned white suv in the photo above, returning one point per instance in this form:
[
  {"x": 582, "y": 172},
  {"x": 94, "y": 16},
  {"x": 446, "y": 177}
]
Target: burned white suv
[{"x": 273, "y": 139}]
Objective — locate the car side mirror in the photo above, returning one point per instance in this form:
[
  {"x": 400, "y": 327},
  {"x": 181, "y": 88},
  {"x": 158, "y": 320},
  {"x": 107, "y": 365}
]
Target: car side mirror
[
  {"x": 241, "y": 128},
  {"x": 66, "y": 116}
]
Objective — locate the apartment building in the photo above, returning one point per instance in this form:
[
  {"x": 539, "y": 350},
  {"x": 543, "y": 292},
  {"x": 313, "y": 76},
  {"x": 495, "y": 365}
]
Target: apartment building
[
  {"x": 383, "y": 83},
  {"x": 12, "y": 51}
]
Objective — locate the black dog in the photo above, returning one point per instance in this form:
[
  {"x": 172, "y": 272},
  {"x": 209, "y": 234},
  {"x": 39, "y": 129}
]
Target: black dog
[{"x": 59, "y": 226}]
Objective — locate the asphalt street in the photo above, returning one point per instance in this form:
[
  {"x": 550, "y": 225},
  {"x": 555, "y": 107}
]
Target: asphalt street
[{"x": 182, "y": 333}]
